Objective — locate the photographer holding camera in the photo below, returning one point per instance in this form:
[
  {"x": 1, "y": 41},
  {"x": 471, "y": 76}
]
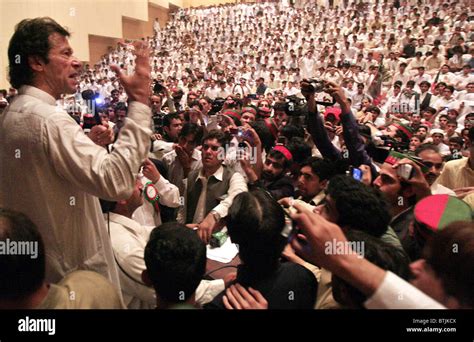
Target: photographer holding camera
[{"x": 357, "y": 153}]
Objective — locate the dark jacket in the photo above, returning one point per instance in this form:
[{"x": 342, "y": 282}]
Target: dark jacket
[
  {"x": 279, "y": 188},
  {"x": 290, "y": 286}
]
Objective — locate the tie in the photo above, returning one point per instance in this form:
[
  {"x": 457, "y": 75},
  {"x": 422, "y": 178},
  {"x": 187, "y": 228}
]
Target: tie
[{"x": 200, "y": 212}]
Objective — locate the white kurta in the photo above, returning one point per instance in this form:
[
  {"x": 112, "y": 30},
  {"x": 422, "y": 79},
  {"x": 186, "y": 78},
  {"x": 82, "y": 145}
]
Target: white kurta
[
  {"x": 396, "y": 293},
  {"x": 51, "y": 171},
  {"x": 129, "y": 240}
]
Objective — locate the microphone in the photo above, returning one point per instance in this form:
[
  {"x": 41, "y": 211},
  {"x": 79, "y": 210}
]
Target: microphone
[{"x": 90, "y": 96}]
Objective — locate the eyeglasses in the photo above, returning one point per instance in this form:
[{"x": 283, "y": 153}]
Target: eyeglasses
[
  {"x": 430, "y": 165},
  {"x": 205, "y": 147}
]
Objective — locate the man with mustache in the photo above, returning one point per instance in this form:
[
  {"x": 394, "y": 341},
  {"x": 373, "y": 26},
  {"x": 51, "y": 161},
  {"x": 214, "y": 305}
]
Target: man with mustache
[
  {"x": 273, "y": 177},
  {"x": 434, "y": 162},
  {"x": 70, "y": 171}
]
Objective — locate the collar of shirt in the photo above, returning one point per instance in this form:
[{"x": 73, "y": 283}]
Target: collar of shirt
[
  {"x": 129, "y": 224},
  {"x": 400, "y": 215},
  {"x": 196, "y": 154},
  {"x": 38, "y": 93},
  {"x": 217, "y": 175},
  {"x": 318, "y": 198}
]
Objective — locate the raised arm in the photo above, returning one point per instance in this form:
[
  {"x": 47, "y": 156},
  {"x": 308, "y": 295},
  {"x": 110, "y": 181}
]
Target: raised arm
[
  {"x": 316, "y": 126},
  {"x": 357, "y": 153}
]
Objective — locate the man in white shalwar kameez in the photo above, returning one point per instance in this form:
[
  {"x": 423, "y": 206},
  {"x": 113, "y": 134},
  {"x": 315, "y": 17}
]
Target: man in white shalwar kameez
[{"x": 50, "y": 170}]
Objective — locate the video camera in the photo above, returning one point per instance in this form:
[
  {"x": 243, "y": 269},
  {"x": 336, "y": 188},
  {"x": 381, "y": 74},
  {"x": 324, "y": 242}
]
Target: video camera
[
  {"x": 317, "y": 86},
  {"x": 394, "y": 144},
  {"x": 158, "y": 123},
  {"x": 293, "y": 106},
  {"x": 158, "y": 87},
  {"x": 217, "y": 105}
]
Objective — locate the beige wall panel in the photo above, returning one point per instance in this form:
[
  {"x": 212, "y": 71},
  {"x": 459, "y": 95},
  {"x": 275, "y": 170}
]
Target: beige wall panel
[
  {"x": 99, "y": 46},
  {"x": 197, "y": 3},
  {"x": 82, "y": 18}
]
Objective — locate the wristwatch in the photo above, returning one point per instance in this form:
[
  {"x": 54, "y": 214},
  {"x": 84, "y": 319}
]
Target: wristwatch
[{"x": 216, "y": 215}]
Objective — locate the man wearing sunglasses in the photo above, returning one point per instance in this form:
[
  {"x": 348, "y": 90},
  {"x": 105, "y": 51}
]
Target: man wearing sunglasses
[{"x": 433, "y": 160}]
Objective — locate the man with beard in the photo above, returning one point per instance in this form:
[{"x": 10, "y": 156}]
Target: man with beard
[
  {"x": 273, "y": 178},
  {"x": 433, "y": 160},
  {"x": 172, "y": 125},
  {"x": 401, "y": 193},
  {"x": 422, "y": 132}
]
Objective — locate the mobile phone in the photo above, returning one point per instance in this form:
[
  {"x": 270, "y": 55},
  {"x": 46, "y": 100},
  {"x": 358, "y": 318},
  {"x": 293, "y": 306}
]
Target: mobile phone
[
  {"x": 248, "y": 137},
  {"x": 357, "y": 174},
  {"x": 405, "y": 171},
  {"x": 289, "y": 230},
  {"x": 234, "y": 131}
]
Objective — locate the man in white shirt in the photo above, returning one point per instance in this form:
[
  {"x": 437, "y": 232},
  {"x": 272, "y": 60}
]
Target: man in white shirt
[
  {"x": 421, "y": 76},
  {"x": 402, "y": 75},
  {"x": 307, "y": 65},
  {"x": 437, "y": 136},
  {"x": 185, "y": 157},
  {"x": 212, "y": 90},
  {"x": 172, "y": 125},
  {"x": 129, "y": 239},
  {"x": 167, "y": 194},
  {"x": 446, "y": 102},
  {"x": 433, "y": 161},
  {"x": 223, "y": 92},
  {"x": 243, "y": 89},
  {"x": 461, "y": 81},
  {"x": 70, "y": 171}
]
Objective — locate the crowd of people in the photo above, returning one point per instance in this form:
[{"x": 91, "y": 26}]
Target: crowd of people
[{"x": 293, "y": 130}]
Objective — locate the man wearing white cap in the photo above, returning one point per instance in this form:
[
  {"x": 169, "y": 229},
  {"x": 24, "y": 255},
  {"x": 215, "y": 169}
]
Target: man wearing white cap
[{"x": 437, "y": 135}]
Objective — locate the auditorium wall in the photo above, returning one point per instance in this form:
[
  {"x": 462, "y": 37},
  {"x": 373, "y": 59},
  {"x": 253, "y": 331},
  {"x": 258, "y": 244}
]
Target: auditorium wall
[
  {"x": 196, "y": 3},
  {"x": 95, "y": 24}
]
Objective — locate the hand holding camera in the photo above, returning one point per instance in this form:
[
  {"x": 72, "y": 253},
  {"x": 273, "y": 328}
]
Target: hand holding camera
[
  {"x": 313, "y": 86},
  {"x": 337, "y": 93},
  {"x": 307, "y": 89},
  {"x": 411, "y": 173},
  {"x": 405, "y": 171}
]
